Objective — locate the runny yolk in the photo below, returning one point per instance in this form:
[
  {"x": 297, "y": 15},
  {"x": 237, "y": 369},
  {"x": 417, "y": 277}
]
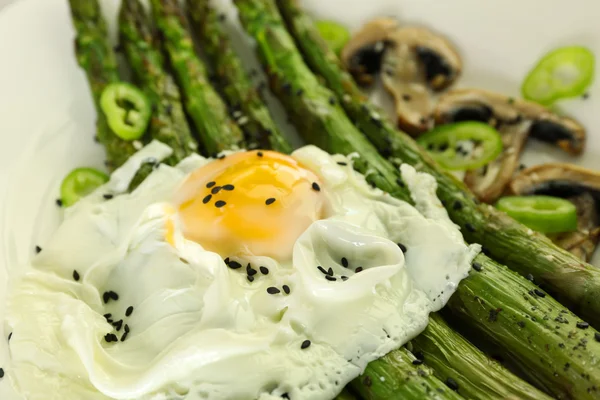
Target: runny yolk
[{"x": 249, "y": 203}]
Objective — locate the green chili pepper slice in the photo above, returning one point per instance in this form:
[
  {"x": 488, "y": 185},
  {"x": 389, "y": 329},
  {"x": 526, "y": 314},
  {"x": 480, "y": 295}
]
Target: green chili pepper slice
[
  {"x": 562, "y": 73},
  {"x": 463, "y": 145},
  {"x": 79, "y": 183},
  {"x": 334, "y": 34},
  {"x": 544, "y": 214},
  {"x": 127, "y": 110}
]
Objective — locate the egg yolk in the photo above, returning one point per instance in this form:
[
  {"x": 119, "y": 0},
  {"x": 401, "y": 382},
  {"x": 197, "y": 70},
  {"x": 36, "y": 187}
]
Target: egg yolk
[{"x": 249, "y": 203}]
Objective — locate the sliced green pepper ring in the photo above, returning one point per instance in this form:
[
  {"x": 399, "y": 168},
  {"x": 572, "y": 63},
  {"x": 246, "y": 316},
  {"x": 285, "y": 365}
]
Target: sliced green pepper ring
[
  {"x": 562, "y": 73},
  {"x": 79, "y": 183},
  {"x": 445, "y": 144},
  {"x": 127, "y": 110},
  {"x": 334, "y": 34},
  {"x": 544, "y": 214}
]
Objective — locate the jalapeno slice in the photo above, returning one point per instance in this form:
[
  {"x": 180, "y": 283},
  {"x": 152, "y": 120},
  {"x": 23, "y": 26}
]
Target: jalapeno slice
[
  {"x": 334, "y": 34},
  {"x": 562, "y": 73},
  {"x": 463, "y": 145},
  {"x": 127, "y": 110},
  {"x": 79, "y": 183},
  {"x": 544, "y": 214}
]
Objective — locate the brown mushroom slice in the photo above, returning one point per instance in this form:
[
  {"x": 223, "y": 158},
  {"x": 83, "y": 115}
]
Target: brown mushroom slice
[
  {"x": 579, "y": 185},
  {"x": 414, "y": 63},
  {"x": 515, "y": 120}
]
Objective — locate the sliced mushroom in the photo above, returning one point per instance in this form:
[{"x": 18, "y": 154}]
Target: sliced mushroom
[
  {"x": 579, "y": 185},
  {"x": 415, "y": 62},
  {"x": 515, "y": 120}
]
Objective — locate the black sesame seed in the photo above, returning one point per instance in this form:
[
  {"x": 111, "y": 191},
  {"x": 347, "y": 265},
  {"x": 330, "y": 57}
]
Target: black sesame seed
[
  {"x": 108, "y": 196},
  {"x": 38, "y": 249},
  {"x": 221, "y": 157},
  {"x": 250, "y": 271},
  {"x": 539, "y": 292},
  {"x": 417, "y": 362},
  {"x": 402, "y": 247},
  {"x": 264, "y": 270},
  {"x": 118, "y": 325},
  {"x": 113, "y": 295},
  {"x": 76, "y": 275},
  {"x": 358, "y": 269},
  {"x": 9, "y": 336},
  {"x": 250, "y": 278},
  {"x": 323, "y": 270},
  {"x": 124, "y": 337},
  {"x": 211, "y": 184},
  {"x": 270, "y": 201},
  {"x": 582, "y": 325},
  {"x": 470, "y": 227},
  {"x": 1, "y": 373},
  {"x": 344, "y": 262},
  {"x": 228, "y": 187},
  {"x": 260, "y": 154},
  {"x": 215, "y": 190},
  {"x": 59, "y": 202},
  {"x": 106, "y": 297},
  {"x": 330, "y": 271},
  {"x": 234, "y": 265},
  {"x": 273, "y": 290},
  {"x": 457, "y": 205},
  {"x": 286, "y": 289},
  {"x": 342, "y": 163},
  {"x": 330, "y": 278},
  {"x": 207, "y": 199},
  {"x": 108, "y": 315},
  {"x": 477, "y": 267},
  {"x": 110, "y": 337},
  {"x": 316, "y": 187},
  {"x": 305, "y": 344},
  {"x": 219, "y": 203},
  {"x": 452, "y": 384},
  {"x": 344, "y": 278},
  {"x": 129, "y": 311},
  {"x": 126, "y": 328}
]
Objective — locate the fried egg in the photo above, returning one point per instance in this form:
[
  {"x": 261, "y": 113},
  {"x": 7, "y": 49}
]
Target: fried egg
[{"x": 249, "y": 276}]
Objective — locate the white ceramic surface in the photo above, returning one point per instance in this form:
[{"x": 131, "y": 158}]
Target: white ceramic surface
[{"x": 47, "y": 117}]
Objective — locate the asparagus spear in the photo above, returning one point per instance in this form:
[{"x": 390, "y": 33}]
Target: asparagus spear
[
  {"x": 239, "y": 91},
  {"x": 478, "y": 377},
  {"x": 168, "y": 123},
  {"x": 574, "y": 282},
  {"x": 95, "y": 55},
  {"x": 395, "y": 377},
  {"x": 315, "y": 111},
  {"x": 537, "y": 346},
  {"x": 205, "y": 107}
]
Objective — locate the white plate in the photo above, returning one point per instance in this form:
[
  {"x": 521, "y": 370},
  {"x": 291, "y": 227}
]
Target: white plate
[{"x": 47, "y": 116}]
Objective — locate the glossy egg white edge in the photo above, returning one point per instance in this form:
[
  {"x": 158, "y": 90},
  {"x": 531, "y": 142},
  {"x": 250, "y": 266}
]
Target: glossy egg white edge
[{"x": 47, "y": 121}]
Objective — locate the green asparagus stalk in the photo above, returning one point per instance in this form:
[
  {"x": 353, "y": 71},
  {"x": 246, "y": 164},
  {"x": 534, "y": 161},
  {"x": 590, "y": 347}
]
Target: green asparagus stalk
[
  {"x": 239, "y": 91},
  {"x": 452, "y": 357},
  {"x": 395, "y": 377},
  {"x": 479, "y": 297},
  {"x": 346, "y": 395},
  {"x": 203, "y": 104},
  {"x": 168, "y": 123},
  {"x": 573, "y": 281},
  {"x": 96, "y": 56},
  {"x": 314, "y": 108}
]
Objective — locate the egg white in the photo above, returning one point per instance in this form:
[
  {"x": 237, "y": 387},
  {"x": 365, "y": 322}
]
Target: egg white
[{"x": 200, "y": 330}]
